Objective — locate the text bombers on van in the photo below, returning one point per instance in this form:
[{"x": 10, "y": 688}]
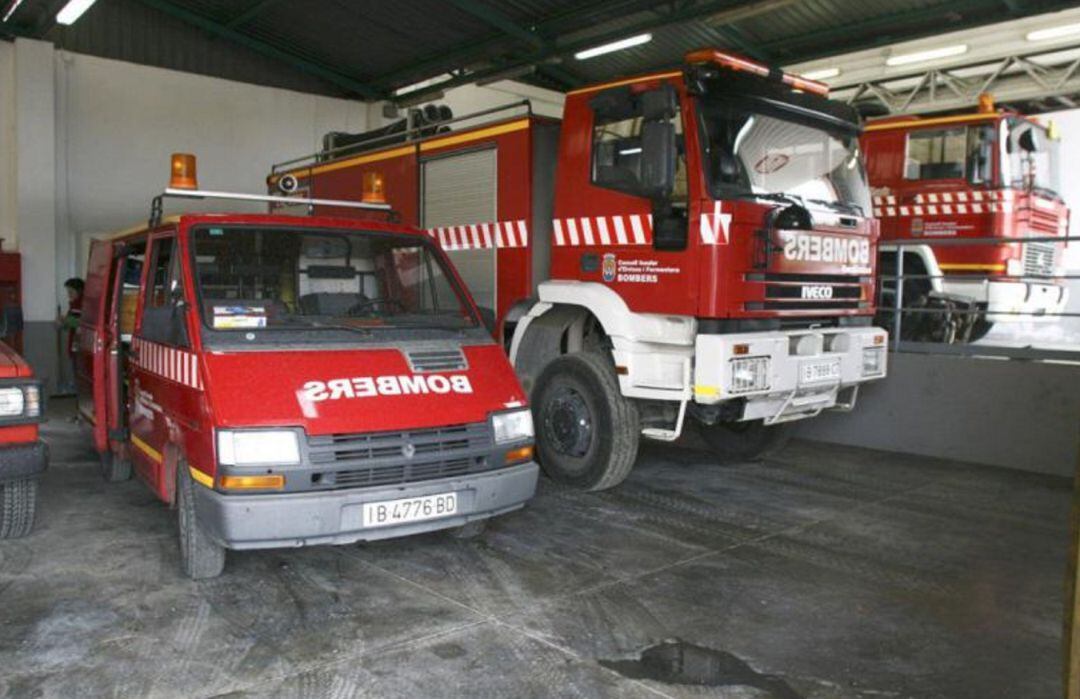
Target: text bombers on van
[{"x": 369, "y": 386}]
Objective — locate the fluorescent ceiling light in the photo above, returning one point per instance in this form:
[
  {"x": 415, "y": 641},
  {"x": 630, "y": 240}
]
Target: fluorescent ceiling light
[
  {"x": 928, "y": 55},
  {"x": 73, "y": 11},
  {"x": 613, "y": 46},
  {"x": 1053, "y": 32},
  {"x": 823, "y": 74},
  {"x": 422, "y": 84},
  {"x": 11, "y": 10}
]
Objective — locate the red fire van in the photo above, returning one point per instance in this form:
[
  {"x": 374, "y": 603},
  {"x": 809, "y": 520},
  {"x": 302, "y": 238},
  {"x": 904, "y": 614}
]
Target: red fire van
[{"x": 287, "y": 381}]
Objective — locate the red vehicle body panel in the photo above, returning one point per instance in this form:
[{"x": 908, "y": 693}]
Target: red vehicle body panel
[
  {"x": 179, "y": 396},
  {"x": 707, "y": 279}
]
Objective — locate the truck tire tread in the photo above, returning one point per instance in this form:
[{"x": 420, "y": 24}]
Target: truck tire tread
[{"x": 18, "y": 504}]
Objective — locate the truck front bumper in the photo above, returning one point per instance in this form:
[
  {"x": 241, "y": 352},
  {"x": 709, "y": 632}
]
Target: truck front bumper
[
  {"x": 19, "y": 461},
  {"x": 1014, "y": 301},
  {"x": 788, "y": 375},
  {"x": 335, "y": 516}
]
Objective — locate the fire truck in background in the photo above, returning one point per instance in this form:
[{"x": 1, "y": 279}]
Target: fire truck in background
[
  {"x": 986, "y": 174},
  {"x": 696, "y": 243}
]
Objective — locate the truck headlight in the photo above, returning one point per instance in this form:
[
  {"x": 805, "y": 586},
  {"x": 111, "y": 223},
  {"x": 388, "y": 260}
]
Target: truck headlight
[
  {"x": 258, "y": 447},
  {"x": 513, "y": 426},
  {"x": 749, "y": 374},
  {"x": 20, "y": 401},
  {"x": 873, "y": 361}
]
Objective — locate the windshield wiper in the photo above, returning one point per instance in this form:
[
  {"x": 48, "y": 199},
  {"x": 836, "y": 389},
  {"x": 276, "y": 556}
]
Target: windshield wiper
[
  {"x": 782, "y": 197},
  {"x": 839, "y": 206}
]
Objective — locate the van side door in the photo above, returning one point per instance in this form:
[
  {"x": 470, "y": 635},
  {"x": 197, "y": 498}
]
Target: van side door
[{"x": 92, "y": 340}]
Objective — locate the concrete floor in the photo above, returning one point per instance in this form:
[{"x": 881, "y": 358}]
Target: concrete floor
[{"x": 827, "y": 572}]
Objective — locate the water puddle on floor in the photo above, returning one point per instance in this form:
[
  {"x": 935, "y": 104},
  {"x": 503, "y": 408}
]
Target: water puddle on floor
[{"x": 679, "y": 662}]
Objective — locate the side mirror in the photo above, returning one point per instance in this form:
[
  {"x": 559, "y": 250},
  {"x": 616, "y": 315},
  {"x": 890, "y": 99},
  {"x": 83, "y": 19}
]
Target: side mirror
[
  {"x": 658, "y": 152},
  {"x": 1028, "y": 141}
]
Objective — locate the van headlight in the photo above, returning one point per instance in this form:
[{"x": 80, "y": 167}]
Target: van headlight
[
  {"x": 514, "y": 426},
  {"x": 258, "y": 448},
  {"x": 23, "y": 401},
  {"x": 873, "y": 361}
]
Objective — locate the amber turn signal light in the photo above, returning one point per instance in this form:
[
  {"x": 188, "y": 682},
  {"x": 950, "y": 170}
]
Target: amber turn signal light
[
  {"x": 374, "y": 188},
  {"x": 516, "y": 456},
  {"x": 740, "y": 349},
  {"x": 270, "y": 482},
  {"x": 183, "y": 172}
]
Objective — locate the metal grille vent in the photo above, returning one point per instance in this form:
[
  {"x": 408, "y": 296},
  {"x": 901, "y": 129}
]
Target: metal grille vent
[
  {"x": 1039, "y": 259},
  {"x": 437, "y": 360}
]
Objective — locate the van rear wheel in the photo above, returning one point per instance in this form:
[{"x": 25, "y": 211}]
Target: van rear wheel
[
  {"x": 587, "y": 431},
  {"x": 113, "y": 468},
  {"x": 200, "y": 557},
  {"x": 750, "y": 440},
  {"x": 18, "y": 502}
]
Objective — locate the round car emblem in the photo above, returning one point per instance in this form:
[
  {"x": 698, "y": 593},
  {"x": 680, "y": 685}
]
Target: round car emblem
[{"x": 408, "y": 451}]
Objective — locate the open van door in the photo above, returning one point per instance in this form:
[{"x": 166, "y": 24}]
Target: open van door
[{"x": 93, "y": 342}]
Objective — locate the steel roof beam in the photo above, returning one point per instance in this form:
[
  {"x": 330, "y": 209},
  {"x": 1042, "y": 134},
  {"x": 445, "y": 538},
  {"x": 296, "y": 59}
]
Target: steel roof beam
[
  {"x": 253, "y": 10},
  {"x": 310, "y": 67}
]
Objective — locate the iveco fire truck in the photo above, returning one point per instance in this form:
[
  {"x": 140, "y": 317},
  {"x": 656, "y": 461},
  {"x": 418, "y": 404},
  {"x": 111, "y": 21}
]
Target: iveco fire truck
[
  {"x": 987, "y": 174},
  {"x": 694, "y": 243},
  {"x": 287, "y": 381}
]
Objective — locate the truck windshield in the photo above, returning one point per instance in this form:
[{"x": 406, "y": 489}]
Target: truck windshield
[
  {"x": 283, "y": 279},
  {"x": 1030, "y": 160},
  {"x": 749, "y": 153}
]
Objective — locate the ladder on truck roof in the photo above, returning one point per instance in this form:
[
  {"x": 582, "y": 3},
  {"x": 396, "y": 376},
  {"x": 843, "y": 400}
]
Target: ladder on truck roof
[{"x": 413, "y": 133}]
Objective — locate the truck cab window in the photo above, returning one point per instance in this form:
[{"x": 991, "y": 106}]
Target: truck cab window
[
  {"x": 617, "y": 151},
  {"x": 163, "y": 318},
  {"x": 938, "y": 154}
]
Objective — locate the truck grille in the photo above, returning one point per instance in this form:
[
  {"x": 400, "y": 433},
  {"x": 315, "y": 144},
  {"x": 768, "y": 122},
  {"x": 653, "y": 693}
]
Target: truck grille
[
  {"x": 1039, "y": 259},
  {"x": 388, "y": 458},
  {"x": 801, "y": 292},
  {"x": 437, "y": 360}
]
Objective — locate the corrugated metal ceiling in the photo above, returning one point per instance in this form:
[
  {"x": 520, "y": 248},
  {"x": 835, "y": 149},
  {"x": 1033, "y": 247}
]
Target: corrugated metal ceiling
[{"x": 368, "y": 48}]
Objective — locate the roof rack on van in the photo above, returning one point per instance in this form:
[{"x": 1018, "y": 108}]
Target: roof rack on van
[
  {"x": 156, "y": 205},
  {"x": 183, "y": 185}
]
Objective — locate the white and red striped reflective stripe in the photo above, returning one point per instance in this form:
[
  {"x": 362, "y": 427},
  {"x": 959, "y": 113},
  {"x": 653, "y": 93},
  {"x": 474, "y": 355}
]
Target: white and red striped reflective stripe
[
  {"x": 714, "y": 226},
  {"x": 478, "y": 236},
  {"x": 621, "y": 229},
  {"x": 947, "y": 203},
  {"x": 169, "y": 363}
]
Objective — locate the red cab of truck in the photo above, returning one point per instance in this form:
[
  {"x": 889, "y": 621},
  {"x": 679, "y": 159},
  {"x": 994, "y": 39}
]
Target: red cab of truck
[
  {"x": 287, "y": 381},
  {"x": 985, "y": 174},
  {"x": 689, "y": 245},
  {"x": 23, "y": 456}
]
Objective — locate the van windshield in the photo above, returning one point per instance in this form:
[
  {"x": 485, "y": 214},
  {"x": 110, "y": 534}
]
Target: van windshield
[{"x": 285, "y": 279}]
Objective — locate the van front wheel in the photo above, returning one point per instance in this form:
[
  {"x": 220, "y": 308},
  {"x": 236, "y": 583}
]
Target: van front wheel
[
  {"x": 200, "y": 557},
  {"x": 587, "y": 432},
  {"x": 18, "y": 501}
]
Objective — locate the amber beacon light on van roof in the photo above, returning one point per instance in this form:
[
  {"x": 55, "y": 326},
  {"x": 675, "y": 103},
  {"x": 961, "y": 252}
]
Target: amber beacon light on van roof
[
  {"x": 733, "y": 61},
  {"x": 184, "y": 184}
]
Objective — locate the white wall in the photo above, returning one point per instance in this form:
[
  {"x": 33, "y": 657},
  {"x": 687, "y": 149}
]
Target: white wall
[{"x": 85, "y": 144}]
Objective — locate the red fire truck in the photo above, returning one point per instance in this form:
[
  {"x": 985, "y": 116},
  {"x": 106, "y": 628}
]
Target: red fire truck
[
  {"x": 288, "y": 381},
  {"x": 987, "y": 174},
  {"x": 23, "y": 456},
  {"x": 692, "y": 242}
]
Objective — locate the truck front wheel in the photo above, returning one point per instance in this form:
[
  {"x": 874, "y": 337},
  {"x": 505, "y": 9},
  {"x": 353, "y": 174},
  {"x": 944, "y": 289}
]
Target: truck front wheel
[
  {"x": 200, "y": 557},
  {"x": 750, "y": 440},
  {"x": 18, "y": 501},
  {"x": 587, "y": 431}
]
